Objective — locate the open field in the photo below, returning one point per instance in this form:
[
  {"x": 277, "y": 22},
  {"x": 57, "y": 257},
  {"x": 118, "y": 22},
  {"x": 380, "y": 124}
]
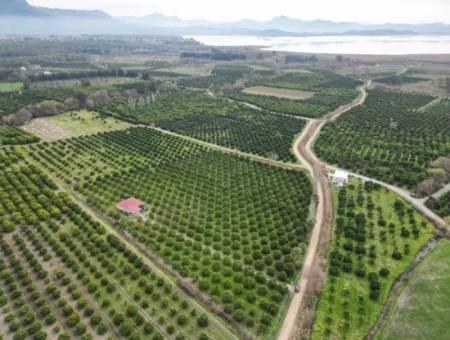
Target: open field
[
  {"x": 10, "y": 87},
  {"x": 214, "y": 120},
  {"x": 220, "y": 75},
  {"x": 232, "y": 230},
  {"x": 391, "y": 139},
  {"x": 71, "y": 124},
  {"x": 424, "y": 302},
  {"x": 330, "y": 92},
  {"x": 278, "y": 92},
  {"x": 376, "y": 236},
  {"x": 61, "y": 272}
]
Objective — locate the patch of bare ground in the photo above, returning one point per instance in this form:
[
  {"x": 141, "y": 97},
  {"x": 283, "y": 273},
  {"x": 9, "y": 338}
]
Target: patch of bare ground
[
  {"x": 46, "y": 129},
  {"x": 278, "y": 92},
  {"x": 317, "y": 274}
]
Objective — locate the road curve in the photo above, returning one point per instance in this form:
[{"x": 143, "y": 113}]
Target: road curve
[
  {"x": 418, "y": 204},
  {"x": 324, "y": 210}
]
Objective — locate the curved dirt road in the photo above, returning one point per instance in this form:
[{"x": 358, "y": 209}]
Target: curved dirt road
[
  {"x": 417, "y": 203},
  {"x": 324, "y": 211}
]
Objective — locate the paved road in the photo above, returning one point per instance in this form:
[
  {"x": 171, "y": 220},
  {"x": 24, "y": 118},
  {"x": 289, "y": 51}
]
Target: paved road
[{"x": 324, "y": 211}]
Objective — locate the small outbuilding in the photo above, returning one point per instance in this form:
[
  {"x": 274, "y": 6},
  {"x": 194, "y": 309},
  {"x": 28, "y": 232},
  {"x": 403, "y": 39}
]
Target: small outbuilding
[
  {"x": 339, "y": 178},
  {"x": 131, "y": 206}
]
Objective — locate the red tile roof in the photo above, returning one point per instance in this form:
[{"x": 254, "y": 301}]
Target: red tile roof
[{"x": 131, "y": 206}]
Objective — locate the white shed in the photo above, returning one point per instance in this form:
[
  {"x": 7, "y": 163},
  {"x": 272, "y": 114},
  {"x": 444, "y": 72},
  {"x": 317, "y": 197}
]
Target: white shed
[{"x": 339, "y": 178}]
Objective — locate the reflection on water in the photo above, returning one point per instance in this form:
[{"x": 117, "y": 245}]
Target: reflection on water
[{"x": 388, "y": 45}]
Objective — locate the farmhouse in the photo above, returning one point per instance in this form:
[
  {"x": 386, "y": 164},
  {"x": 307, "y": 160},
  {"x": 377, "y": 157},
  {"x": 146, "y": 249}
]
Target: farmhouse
[
  {"x": 131, "y": 206},
  {"x": 339, "y": 178}
]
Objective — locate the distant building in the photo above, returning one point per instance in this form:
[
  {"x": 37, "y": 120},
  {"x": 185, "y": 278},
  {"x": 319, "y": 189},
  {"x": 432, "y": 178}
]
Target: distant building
[
  {"x": 131, "y": 206},
  {"x": 339, "y": 178}
]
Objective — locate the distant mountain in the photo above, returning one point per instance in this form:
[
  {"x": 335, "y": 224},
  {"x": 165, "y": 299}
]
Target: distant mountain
[
  {"x": 282, "y": 25},
  {"x": 163, "y": 21},
  {"x": 17, "y": 8},
  {"x": 19, "y": 17},
  {"x": 313, "y": 27},
  {"x": 21, "y": 8}
]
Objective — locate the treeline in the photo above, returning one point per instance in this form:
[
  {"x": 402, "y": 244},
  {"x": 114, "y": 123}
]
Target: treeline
[
  {"x": 115, "y": 72},
  {"x": 215, "y": 55},
  {"x": 301, "y": 59}
]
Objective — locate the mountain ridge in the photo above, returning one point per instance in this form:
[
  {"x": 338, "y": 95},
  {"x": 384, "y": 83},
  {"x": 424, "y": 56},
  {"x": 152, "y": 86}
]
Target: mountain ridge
[
  {"x": 19, "y": 17},
  {"x": 21, "y": 8}
]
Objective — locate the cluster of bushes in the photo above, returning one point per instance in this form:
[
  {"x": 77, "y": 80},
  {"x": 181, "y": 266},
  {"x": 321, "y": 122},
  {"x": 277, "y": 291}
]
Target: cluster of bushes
[
  {"x": 441, "y": 205},
  {"x": 16, "y": 136}
]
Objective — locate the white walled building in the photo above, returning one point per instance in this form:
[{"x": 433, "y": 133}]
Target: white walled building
[{"x": 339, "y": 178}]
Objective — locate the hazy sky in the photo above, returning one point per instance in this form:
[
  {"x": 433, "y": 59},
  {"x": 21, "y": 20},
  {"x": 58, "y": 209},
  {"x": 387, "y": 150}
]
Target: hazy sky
[{"x": 365, "y": 11}]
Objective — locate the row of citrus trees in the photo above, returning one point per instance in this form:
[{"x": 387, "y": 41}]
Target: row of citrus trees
[
  {"x": 233, "y": 227},
  {"x": 62, "y": 275}
]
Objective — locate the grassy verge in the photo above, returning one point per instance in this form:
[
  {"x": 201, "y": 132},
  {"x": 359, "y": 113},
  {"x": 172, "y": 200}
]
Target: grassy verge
[{"x": 423, "y": 304}]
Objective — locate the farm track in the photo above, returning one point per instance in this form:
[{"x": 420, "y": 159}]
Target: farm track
[
  {"x": 313, "y": 263},
  {"x": 441, "y": 192},
  {"x": 228, "y": 334},
  {"x": 417, "y": 203},
  {"x": 255, "y": 107},
  {"x": 235, "y": 152},
  {"x": 309, "y": 281}
]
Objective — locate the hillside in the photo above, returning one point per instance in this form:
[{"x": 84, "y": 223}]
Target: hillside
[{"x": 21, "y": 8}]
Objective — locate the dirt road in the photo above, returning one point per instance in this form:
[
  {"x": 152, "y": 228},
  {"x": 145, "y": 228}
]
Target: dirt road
[
  {"x": 417, "y": 203},
  {"x": 308, "y": 279}
]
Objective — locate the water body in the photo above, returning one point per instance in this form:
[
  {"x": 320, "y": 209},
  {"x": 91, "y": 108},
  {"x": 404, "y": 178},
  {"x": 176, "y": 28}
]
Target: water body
[{"x": 381, "y": 45}]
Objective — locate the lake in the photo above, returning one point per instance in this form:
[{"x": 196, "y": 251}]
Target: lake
[{"x": 384, "y": 45}]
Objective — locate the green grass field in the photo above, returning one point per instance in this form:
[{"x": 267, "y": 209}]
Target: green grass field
[
  {"x": 87, "y": 122},
  {"x": 422, "y": 307},
  {"x": 10, "y": 87}
]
